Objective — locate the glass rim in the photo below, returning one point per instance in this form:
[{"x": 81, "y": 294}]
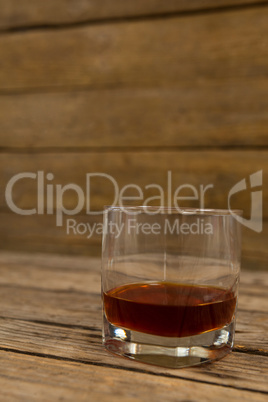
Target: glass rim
[{"x": 172, "y": 210}]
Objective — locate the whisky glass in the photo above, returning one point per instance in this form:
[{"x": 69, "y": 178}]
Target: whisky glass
[{"x": 170, "y": 283}]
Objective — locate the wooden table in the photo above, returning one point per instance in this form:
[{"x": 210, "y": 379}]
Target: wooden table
[{"x": 51, "y": 347}]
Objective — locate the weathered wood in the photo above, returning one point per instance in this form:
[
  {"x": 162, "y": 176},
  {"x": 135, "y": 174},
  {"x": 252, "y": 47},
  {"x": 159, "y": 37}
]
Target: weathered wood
[
  {"x": 56, "y": 272},
  {"x": 63, "y": 307},
  {"x": 193, "y": 115},
  {"x": 23, "y": 233},
  {"x": 53, "y": 320},
  {"x": 46, "y": 379},
  {"x": 84, "y": 345},
  {"x": 227, "y": 47},
  {"x": 83, "y": 312},
  {"x": 254, "y": 251},
  {"x": 59, "y": 321},
  {"x": 51, "y": 272},
  {"x": 38, "y": 12},
  {"x": 39, "y": 232},
  {"x": 66, "y": 291},
  {"x": 220, "y": 169}
]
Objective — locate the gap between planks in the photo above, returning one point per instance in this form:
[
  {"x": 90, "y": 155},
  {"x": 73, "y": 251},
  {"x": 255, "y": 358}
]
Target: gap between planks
[
  {"x": 124, "y": 19},
  {"x": 132, "y": 369},
  {"x": 236, "y": 348},
  {"x": 133, "y": 149}
]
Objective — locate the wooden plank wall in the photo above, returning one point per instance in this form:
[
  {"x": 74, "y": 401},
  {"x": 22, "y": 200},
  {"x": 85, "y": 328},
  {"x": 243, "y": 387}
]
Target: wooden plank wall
[{"x": 133, "y": 90}]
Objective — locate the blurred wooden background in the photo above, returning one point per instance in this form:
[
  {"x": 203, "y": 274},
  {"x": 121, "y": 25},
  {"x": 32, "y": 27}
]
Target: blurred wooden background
[{"x": 133, "y": 89}]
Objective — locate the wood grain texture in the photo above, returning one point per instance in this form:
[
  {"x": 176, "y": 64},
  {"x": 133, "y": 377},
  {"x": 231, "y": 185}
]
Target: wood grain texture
[
  {"x": 52, "y": 324},
  {"x": 19, "y": 269},
  {"x": 191, "y": 115},
  {"x": 40, "y": 234},
  {"x": 85, "y": 345},
  {"x": 227, "y": 47},
  {"x": 100, "y": 95},
  {"x": 84, "y": 310},
  {"x": 38, "y": 12},
  {"x": 54, "y": 272},
  {"x": 75, "y": 281},
  {"x": 45, "y": 379},
  {"x": 220, "y": 169}
]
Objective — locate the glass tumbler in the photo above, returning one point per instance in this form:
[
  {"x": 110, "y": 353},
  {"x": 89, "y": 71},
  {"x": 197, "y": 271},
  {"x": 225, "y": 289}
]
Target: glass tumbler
[{"x": 170, "y": 283}]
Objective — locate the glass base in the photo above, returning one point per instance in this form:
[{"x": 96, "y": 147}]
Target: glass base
[{"x": 168, "y": 351}]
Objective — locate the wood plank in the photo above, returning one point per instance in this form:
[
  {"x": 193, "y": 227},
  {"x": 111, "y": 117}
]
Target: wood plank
[
  {"x": 81, "y": 345},
  {"x": 83, "y": 312},
  {"x": 254, "y": 252},
  {"x": 22, "y": 233},
  {"x": 38, "y": 263},
  {"x": 54, "y": 306},
  {"x": 33, "y": 288},
  {"x": 48, "y": 379},
  {"x": 222, "y": 169},
  {"x": 52, "y": 315},
  {"x": 70, "y": 273},
  {"x": 220, "y": 114},
  {"x": 37, "y": 12},
  {"x": 226, "y": 47},
  {"x": 219, "y": 169}
]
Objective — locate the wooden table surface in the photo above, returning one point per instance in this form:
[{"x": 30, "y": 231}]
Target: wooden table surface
[{"x": 51, "y": 347}]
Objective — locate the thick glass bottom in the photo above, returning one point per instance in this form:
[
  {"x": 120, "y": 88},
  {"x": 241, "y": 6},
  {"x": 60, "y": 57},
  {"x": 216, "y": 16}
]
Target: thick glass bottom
[{"x": 168, "y": 351}]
